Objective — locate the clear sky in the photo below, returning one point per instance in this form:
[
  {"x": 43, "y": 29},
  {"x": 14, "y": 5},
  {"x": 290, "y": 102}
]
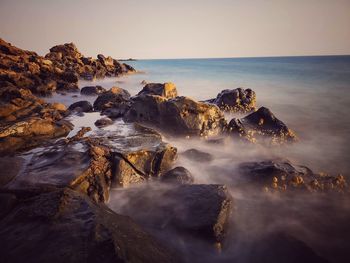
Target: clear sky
[{"x": 180, "y": 28}]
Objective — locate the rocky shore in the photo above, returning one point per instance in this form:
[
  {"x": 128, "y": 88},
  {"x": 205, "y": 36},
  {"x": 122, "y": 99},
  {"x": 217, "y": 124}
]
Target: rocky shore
[{"x": 55, "y": 184}]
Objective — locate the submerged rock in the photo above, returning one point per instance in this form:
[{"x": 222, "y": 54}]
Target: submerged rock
[
  {"x": 235, "y": 100},
  {"x": 200, "y": 211},
  {"x": 178, "y": 175},
  {"x": 167, "y": 90},
  {"x": 283, "y": 175},
  {"x": 81, "y": 106},
  {"x": 66, "y": 226},
  {"x": 92, "y": 90},
  {"x": 180, "y": 116},
  {"x": 261, "y": 125},
  {"x": 197, "y": 156}
]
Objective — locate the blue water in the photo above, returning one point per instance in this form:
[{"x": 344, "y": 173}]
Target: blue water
[{"x": 310, "y": 94}]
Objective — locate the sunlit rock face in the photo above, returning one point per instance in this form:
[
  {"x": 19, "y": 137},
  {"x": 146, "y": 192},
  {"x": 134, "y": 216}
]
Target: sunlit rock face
[
  {"x": 261, "y": 126},
  {"x": 235, "y": 100},
  {"x": 47, "y": 225},
  {"x": 167, "y": 90},
  {"x": 180, "y": 116}
]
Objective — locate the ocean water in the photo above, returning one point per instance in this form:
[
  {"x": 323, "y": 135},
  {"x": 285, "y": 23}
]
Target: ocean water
[{"x": 310, "y": 94}]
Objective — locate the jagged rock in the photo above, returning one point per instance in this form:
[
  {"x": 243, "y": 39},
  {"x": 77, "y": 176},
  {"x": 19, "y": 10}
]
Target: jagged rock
[
  {"x": 197, "y": 156},
  {"x": 261, "y": 125},
  {"x": 178, "y": 175},
  {"x": 29, "y": 133},
  {"x": 65, "y": 226},
  {"x": 235, "y": 100},
  {"x": 83, "y": 106},
  {"x": 283, "y": 175},
  {"x": 181, "y": 115},
  {"x": 103, "y": 122},
  {"x": 200, "y": 211},
  {"x": 167, "y": 90},
  {"x": 92, "y": 90}
]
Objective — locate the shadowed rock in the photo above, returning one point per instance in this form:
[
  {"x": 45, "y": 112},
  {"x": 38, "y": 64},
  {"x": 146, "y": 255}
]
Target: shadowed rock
[
  {"x": 197, "y": 156},
  {"x": 81, "y": 106},
  {"x": 92, "y": 90},
  {"x": 167, "y": 90},
  {"x": 178, "y": 175},
  {"x": 103, "y": 122}
]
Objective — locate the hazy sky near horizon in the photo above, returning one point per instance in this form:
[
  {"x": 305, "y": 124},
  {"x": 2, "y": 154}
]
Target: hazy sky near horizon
[{"x": 180, "y": 29}]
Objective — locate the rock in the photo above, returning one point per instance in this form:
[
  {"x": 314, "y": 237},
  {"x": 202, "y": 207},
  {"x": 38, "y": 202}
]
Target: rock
[
  {"x": 178, "y": 175},
  {"x": 45, "y": 227},
  {"x": 83, "y": 106},
  {"x": 92, "y": 90},
  {"x": 167, "y": 90},
  {"x": 235, "y": 100},
  {"x": 180, "y": 116},
  {"x": 200, "y": 211},
  {"x": 59, "y": 106},
  {"x": 262, "y": 125},
  {"x": 7, "y": 203},
  {"x": 282, "y": 175},
  {"x": 103, "y": 122},
  {"x": 9, "y": 168},
  {"x": 29, "y": 133},
  {"x": 197, "y": 156}
]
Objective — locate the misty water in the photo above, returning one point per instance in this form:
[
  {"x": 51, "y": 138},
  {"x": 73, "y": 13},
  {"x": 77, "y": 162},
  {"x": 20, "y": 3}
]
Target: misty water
[{"x": 311, "y": 95}]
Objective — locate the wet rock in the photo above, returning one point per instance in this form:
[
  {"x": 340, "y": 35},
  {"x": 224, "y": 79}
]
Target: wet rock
[
  {"x": 235, "y": 100},
  {"x": 82, "y": 106},
  {"x": 178, "y": 175},
  {"x": 180, "y": 116},
  {"x": 92, "y": 90},
  {"x": 262, "y": 125},
  {"x": 200, "y": 211},
  {"x": 282, "y": 175},
  {"x": 29, "y": 133},
  {"x": 103, "y": 122},
  {"x": 197, "y": 156},
  {"x": 115, "y": 98},
  {"x": 9, "y": 168},
  {"x": 167, "y": 90},
  {"x": 37, "y": 230}
]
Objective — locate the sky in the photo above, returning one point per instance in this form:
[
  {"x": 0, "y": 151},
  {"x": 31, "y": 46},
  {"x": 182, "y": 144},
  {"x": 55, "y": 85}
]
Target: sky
[{"x": 180, "y": 28}]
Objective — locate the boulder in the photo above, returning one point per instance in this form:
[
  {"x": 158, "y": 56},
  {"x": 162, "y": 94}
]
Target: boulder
[
  {"x": 235, "y": 100},
  {"x": 201, "y": 211},
  {"x": 83, "y": 106},
  {"x": 197, "y": 156},
  {"x": 103, "y": 122},
  {"x": 112, "y": 99},
  {"x": 178, "y": 175},
  {"x": 59, "y": 106},
  {"x": 180, "y": 116},
  {"x": 262, "y": 125},
  {"x": 167, "y": 90},
  {"x": 92, "y": 90},
  {"x": 66, "y": 226},
  {"x": 282, "y": 175}
]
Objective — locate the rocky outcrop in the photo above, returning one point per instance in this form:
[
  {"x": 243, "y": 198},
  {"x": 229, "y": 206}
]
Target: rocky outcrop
[
  {"x": 81, "y": 106},
  {"x": 197, "y": 155},
  {"x": 167, "y": 90},
  {"x": 200, "y": 211},
  {"x": 261, "y": 125},
  {"x": 181, "y": 115},
  {"x": 282, "y": 175},
  {"x": 178, "y": 175},
  {"x": 64, "y": 225},
  {"x": 92, "y": 90},
  {"x": 235, "y": 100}
]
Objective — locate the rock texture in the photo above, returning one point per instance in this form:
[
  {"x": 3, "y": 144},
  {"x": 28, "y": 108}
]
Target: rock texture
[
  {"x": 178, "y": 175},
  {"x": 167, "y": 90},
  {"x": 197, "y": 155},
  {"x": 92, "y": 90},
  {"x": 235, "y": 100},
  {"x": 181, "y": 115},
  {"x": 81, "y": 106}
]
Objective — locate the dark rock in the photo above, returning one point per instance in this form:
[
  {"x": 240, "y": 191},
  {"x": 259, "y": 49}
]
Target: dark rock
[
  {"x": 283, "y": 175},
  {"x": 167, "y": 90},
  {"x": 114, "y": 98},
  {"x": 200, "y": 211},
  {"x": 103, "y": 122},
  {"x": 235, "y": 100},
  {"x": 178, "y": 175},
  {"x": 83, "y": 106},
  {"x": 197, "y": 156},
  {"x": 65, "y": 226},
  {"x": 7, "y": 202},
  {"x": 92, "y": 90},
  {"x": 262, "y": 124},
  {"x": 9, "y": 168},
  {"x": 181, "y": 115}
]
